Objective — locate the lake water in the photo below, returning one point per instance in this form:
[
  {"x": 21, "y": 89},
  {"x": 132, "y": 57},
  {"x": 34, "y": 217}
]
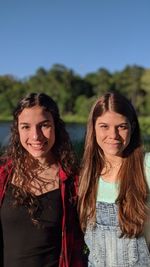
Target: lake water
[{"x": 76, "y": 132}]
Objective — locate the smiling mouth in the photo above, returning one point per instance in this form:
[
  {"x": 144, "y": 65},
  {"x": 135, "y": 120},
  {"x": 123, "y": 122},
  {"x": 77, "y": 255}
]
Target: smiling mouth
[{"x": 38, "y": 146}]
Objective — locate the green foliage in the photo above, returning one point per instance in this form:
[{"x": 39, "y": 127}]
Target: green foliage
[
  {"x": 147, "y": 145},
  {"x": 75, "y": 95},
  {"x": 101, "y": 81},
  {"x": 10, "y": 92},
  {"x": 74, "y": 118},
  {"x": 83, "y": 105},
  {"x": 145, "y": 125},
  {"x": 145, "y": 81}
]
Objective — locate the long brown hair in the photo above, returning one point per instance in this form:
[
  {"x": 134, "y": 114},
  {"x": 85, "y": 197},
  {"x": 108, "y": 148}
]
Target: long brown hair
[
  {"x": 133, "y": 186},
  {"x": 25, "y": 166}
]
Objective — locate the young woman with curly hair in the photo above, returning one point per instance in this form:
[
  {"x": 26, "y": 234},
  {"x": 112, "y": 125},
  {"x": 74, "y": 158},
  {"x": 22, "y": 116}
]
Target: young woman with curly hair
[{"x": 38, "y": 182}]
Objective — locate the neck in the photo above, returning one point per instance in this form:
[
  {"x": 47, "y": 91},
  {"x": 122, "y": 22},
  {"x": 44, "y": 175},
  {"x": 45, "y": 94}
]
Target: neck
[
  {"x": 113, "y": 160},
  {"x": 47, "y": 162},
  {"x": 111, "y": 170}
]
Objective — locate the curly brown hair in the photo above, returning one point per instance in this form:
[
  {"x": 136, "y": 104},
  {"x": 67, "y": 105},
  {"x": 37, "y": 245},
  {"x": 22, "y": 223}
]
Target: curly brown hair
[{"x": 25, "y": 166}]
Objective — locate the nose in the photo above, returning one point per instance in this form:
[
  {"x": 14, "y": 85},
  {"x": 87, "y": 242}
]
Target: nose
[
  {"x": 113, "y": 132},
  {"x": 35, "y": 133}
]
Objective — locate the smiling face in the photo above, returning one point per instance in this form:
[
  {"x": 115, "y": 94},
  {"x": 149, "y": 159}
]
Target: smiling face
[
  {"x": 113, "y": 133},
  {"x": 36, "y": 131}
]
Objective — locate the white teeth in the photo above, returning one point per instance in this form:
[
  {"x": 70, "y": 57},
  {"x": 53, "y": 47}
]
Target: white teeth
[{"x": 36, "y": 145}]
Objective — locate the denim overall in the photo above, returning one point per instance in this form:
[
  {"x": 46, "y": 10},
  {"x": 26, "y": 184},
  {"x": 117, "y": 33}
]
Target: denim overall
[{"x": 105, "y": 246}]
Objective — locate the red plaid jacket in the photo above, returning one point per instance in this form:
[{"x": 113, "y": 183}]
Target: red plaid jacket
[{"x": 72, "y": 237}]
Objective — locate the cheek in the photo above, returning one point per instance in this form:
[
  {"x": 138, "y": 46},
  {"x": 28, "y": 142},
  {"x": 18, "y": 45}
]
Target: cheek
[
  {"x": 50, "y": 135},
  {"x": 99, "y": 138},
  {"x": 23, "y": 137},
  {"x": 99, "y": 135}
]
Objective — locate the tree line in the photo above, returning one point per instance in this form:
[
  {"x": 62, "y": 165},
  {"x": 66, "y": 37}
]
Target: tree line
[{"x": 75, "y": 94}]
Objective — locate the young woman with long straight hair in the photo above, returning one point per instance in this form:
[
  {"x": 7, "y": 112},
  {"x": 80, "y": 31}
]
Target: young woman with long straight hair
[{"x": 114, "y": 186}]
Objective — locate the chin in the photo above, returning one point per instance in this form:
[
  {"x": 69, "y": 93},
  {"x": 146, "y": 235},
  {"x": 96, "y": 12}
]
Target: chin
[{"x": 36, "y": 154}]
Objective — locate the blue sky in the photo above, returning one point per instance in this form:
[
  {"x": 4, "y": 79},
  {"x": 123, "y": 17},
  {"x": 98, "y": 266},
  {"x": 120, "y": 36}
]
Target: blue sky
[{"x": 83, "y": 35}]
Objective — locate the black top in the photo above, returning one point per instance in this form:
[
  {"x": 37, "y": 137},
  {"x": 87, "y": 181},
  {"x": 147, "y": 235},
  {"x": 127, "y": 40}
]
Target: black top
[{"x": 27, "y": 244}]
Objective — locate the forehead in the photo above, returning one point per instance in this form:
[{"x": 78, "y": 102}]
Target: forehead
[
  {"x": 112, "y": 117},
  {"x": 34, "y": 114}
]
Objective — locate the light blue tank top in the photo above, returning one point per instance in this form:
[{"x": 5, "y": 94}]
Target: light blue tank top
[{"x": 108, "y": 192}]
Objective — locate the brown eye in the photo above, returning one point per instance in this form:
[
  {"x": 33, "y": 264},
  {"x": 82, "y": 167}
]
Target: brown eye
[
  {"x": 104, "y": 126},
  {"x": 46, "y": 125},
  {"x": 25, "y": 127},
  {"x": 123, "y": 127}
]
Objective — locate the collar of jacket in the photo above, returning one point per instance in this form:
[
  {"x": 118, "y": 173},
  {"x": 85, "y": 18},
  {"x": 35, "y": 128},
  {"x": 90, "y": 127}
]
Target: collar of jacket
[
  {"x": 62, "y": 174},
  {"x": 6, "y": 170}
]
